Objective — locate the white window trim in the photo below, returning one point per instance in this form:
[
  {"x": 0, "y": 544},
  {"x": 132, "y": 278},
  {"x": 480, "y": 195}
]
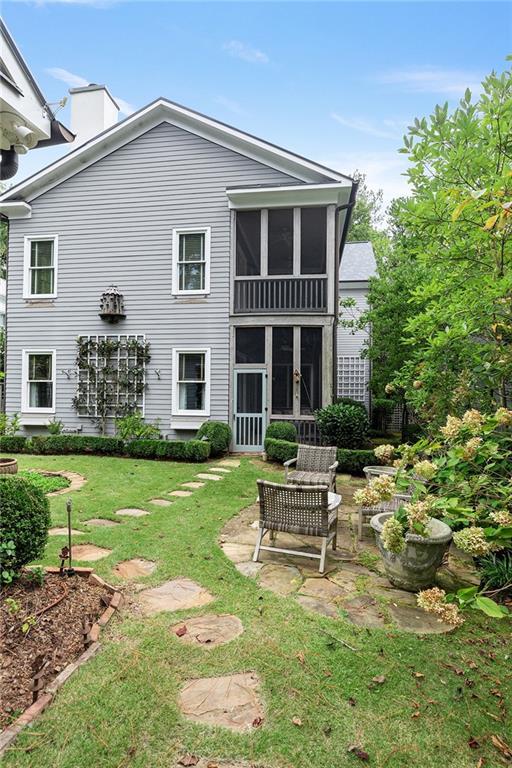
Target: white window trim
[
  {"x": 176, "y": 411},
  {"x": 29, "y": 239},
  {"x": 25, "y": 407},
  {"x": 206, "y": 231}
]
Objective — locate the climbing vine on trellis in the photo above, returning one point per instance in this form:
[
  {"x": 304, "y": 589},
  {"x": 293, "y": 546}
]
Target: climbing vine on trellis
[{"x": 111, "y": 374}]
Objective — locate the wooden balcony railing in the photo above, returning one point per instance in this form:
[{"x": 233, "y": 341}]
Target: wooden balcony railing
[{"x": 280, "y": 294}]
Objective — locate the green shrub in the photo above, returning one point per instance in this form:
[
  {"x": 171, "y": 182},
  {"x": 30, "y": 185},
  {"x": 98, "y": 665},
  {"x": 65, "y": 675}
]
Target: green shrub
[
  {"x": 133, "y": 427},
  {"x": 282, "y": 430},
  {"x": 25, "y": 520},
  {"x": 63, "y": 444},
  {"x": 13, "y": 444},
  {"x": 47, "y": 483},
  {"x": 351, "y": 462},
  {"x": 280, "y": 450},
  {"x": 9, "y": 426},
  {"x": 55, "y": 427},
  {"x": 496, "y": 571},
  {"x": 218, "y": 434},
  {"x": 343, "y": 425},
  {"x": 177, "y": 450},
  {"x": 350, "y": 401}
]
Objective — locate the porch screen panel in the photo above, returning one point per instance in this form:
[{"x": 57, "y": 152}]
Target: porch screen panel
[
  {"x": 280, "y": 241},
  {"x": 248, "y": 242},
  {"x": 313, "y": 241},
  {"x": 310, "y": 370},
  {"x": 282, "y": 370},
  {"x": 250, "y": 345}
]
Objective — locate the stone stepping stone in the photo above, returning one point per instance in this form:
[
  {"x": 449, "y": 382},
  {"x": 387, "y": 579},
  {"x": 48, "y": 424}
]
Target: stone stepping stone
[
  {"x": 193, "y": 485},
  {"x": 238, "y": 553},
  {"x": 103, "y": 522},
  {"x": 64, "y": 532},
  {"x": 322, "y": 607},
  {"x": 180, "y": 494},
  {"x": 281, "y": 579},
  {"x": 204, "y": 476},
  {"x": 364, "y": 611},
  {"x": 223, "y": 470},
  {"x": 414, "y": 619},
  {"x": 249, "y": 568},
  {"x": 132, "y": 569},
  {"x": 231, "y": 701},
  {"x": 175, "y": 595},
  {"x": 229, "y": 463},
  {"x": 89, "y": 552},
  {"x": 323, "y": 589},
  {"x": 207, "y": 762},
  {"x": 131, "y": 512},
  {"x": 160, "y": 502},
  {"x": 208, "y": 631}
]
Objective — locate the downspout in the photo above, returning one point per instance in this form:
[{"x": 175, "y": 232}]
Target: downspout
[
  {"x": 4, "y": 404},
  {"x": 348, "y": 207}
]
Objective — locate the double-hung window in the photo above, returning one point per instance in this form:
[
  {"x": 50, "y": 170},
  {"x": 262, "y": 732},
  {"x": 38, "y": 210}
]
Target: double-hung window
[
  {"x": 191, "y": 261},
  {"x": 38, "y": 381},
  {"x": 191, "y": 376},
  {"x": 40, "y": 279}
]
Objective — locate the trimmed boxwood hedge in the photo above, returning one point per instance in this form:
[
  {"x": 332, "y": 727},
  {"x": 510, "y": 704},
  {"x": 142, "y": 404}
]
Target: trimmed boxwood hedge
[
  {"x": 13, "y": 443},
  {"x": 179, "y": 450},
  {"x": 218, "y": 434},
  {"x": 282, "y": 430},
  {"x": 350, "y": 461},
  {"x": 61, "y": 444},
  {"x": 25, "y": 520}
]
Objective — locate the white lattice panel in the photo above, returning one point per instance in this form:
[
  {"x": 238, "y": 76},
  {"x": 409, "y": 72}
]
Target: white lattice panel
[{"x": 353, "y": 378}]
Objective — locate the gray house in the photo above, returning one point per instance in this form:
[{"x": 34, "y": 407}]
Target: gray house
[
  {"x": 353, "y": 374},
  {"x": 224, "y": 253}
]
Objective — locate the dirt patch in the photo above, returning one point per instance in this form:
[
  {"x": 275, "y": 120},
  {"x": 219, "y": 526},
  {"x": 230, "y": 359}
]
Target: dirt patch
[{"x": 54, "y": 633}]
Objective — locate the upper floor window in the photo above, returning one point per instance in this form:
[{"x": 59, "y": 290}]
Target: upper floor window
[
  {"x": 191, "y": 378},
  {"x": 248, "y": 243},
  {"x": 280, "y": 241},
  {"x": 38, "y": 371},
  {"x": 40, "y": 278},
  {"x": 191, "y": 261},
  {"x": 313, "y": 241}
]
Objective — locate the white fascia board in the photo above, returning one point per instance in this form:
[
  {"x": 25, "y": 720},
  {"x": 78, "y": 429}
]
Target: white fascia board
[
  {"x": 288, "y": 196},
  {"x": 16, "y": 210},
  {"x": 149, "y": 117}
]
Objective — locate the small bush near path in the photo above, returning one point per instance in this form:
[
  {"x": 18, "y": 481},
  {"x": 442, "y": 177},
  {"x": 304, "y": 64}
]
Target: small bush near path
[
  {"x": 218, "y": 434},
  {"x": 343, "y": 425},
  {"x": 24, "y": 521},
  {"x": 282, "y": 430}
]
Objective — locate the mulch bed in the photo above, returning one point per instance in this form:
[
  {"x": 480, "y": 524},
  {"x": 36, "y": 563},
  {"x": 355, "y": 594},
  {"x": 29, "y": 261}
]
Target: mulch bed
[{"x": 56, "y": 635}]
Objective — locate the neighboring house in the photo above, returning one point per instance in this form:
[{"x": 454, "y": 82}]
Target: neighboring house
[
  {"x": 26, "y": 120},
  {"x": 356, "y": 268},
  {"x": 225, "y": 249},
  {"x": 2, "y": 302}
]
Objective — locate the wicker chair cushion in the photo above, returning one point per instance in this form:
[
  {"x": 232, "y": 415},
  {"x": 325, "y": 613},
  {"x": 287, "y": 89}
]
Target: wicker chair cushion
[
  {"x": 315, "y": 459},
  {"x": 309, "y": 478},
  {"x": 304, "y": 530}
]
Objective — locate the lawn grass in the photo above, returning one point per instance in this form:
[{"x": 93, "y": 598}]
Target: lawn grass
[{"x": 120, "y": 709}]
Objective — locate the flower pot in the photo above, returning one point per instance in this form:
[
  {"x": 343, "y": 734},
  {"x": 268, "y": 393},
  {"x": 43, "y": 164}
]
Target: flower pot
[
  {"x": 8, "y": 466},
  {"x": 415, "y": 567}
]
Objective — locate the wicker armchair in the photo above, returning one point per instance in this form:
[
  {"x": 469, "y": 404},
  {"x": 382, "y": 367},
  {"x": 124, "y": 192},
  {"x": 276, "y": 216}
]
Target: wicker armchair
[
  {"x": 299, "y": 509},
  {"x": 313, "y": 466}
]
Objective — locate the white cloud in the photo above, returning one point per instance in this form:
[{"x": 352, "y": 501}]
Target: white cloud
[
  {"x": 74, "y": 81},
  {"x": 77, "y": 81},
  {"x": 434, "y": 80},
  {"x": 383, "y": 170},
  {"x": 246, "y": 52},
  {"x": 366, "y": 126},
  {"x": 230, "y": 105}
]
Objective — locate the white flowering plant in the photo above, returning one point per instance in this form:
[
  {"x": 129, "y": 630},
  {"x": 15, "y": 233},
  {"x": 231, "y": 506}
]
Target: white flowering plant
[{"x": 465, "y": 472}]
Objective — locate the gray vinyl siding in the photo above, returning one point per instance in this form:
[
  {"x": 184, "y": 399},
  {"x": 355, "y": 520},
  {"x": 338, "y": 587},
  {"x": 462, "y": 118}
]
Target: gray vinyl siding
[{"x": 114, "y": 221}]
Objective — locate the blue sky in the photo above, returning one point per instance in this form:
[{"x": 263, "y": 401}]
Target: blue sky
[{"x": 336, "y": 81}]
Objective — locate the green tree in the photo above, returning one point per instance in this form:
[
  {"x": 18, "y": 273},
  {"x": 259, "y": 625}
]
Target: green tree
[{"x": 460, "y": 336}]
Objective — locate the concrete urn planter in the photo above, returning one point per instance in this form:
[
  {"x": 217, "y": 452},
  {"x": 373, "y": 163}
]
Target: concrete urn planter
[
  {"x": 415, "y": 567},
  {"x": 8, "y": 466}
]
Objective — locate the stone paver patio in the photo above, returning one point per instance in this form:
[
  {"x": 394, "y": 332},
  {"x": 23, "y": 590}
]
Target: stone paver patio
[{"x": 353, "y": 585}]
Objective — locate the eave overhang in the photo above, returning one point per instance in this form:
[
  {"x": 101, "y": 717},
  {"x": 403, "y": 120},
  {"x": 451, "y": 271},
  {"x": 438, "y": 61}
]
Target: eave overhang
[
  {"x": 289, "y": 195},
  {"x": 15, "y": 210}
]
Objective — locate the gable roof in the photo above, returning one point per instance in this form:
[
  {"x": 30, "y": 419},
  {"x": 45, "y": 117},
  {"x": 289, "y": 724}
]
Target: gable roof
[
  {"x": 163, "y": 110},
  {"x": 357, "y": 262}
]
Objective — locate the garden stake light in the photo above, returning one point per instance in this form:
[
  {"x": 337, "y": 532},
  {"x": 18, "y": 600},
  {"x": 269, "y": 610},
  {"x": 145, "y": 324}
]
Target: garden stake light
[{"x": 65, "y": 553}]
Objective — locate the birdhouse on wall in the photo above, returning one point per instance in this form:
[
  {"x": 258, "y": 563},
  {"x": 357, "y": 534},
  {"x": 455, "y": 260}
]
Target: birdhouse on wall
[{"x": 112, "y": 305}]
